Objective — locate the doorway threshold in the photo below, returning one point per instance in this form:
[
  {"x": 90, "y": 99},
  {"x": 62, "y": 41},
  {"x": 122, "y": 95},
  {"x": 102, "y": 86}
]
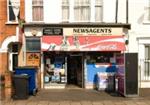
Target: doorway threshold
[
  {"x": 54, "y": 86},
  {"x": 72, "y": 86}
]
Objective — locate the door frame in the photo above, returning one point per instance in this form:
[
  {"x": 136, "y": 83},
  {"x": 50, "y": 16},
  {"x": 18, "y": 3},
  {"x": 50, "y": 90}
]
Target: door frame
[{"x": 82, "y": 60}]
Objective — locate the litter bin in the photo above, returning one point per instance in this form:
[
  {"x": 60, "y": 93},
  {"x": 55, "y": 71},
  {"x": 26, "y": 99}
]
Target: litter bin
[
  {"x": 32, "y": 72},
  {"x": 20, "y": 86},
  {"x": 111, "y": 86}
]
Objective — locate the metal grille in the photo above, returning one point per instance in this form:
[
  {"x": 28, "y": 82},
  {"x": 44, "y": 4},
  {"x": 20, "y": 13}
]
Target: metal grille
[{"x": 145, "y": 65}]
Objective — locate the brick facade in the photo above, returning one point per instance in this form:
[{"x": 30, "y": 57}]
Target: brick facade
[{"x": 7, "y": 30}]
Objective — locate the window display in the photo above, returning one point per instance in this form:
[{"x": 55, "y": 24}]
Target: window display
[{"x": 55, "y": 70}]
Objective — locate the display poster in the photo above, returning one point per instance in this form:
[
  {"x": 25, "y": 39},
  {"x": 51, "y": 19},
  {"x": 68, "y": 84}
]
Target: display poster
[
  {"x": 33, "y": 59},
  {"x": 48, "y": 61},
  {"x": 106, "y": 81},
  {"x": 83, "y": 43},
  {"x": 121, "y": 73},
  {"x": 102, "y": 81}
]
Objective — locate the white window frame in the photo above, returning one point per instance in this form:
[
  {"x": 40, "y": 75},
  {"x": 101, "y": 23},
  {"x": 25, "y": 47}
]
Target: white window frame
[
  {"x": 99, "y": 5},
  {"x": 66, "y": 6},
  {"x": 43, "y": 12},
  {"x": 83, "y": 6},
  {"x": 142, "y": 43},
  {"x": 147, "y": 12},
  {"x": 16, "y": 19},
  {"x": 92, "y": 8}
]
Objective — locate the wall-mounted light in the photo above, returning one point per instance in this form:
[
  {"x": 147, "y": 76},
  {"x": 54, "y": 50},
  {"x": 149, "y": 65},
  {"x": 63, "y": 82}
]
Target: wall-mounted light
[{"x": 34, "y": 32}]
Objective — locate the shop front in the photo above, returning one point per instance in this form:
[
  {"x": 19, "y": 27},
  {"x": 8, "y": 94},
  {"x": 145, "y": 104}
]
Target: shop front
[{"x": 78, "y": 56}]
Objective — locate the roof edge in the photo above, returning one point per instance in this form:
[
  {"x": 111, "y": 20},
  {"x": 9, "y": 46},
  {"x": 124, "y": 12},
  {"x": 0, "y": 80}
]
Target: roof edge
[{"x": 90, "y": 24}]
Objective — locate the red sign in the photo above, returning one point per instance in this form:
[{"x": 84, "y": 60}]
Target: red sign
[{"x": 83, "y": 43}]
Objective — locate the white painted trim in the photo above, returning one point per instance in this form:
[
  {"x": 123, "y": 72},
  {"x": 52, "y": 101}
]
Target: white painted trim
[
  {"x": 42, "y": 70},
  {"x": 144, "y": 41},
  {"x": 11, "y": 60},
  {"x": 71, "y": 10},
  {"x": 9, "y": 39},
  {"x": 28, "y": 10}
]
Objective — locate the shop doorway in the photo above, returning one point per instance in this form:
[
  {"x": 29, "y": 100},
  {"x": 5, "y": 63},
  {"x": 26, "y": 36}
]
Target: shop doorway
[{"x": 75, "y": 71}]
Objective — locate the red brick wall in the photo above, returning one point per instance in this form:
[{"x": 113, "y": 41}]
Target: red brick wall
[
  {"x": 5, "y": 31},
  {"x": 3, "y": 63},
  {"x": 8, "y": 29},
  {"x": 3, "y": 71}
]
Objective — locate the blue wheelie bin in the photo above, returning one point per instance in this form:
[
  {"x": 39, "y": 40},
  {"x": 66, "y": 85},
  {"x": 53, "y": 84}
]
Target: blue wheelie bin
[{"x": 32, "y": 72}]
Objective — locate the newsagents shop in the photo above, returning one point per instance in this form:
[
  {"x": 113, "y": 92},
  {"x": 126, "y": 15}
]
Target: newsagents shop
[{"x": 74, "y": 55}]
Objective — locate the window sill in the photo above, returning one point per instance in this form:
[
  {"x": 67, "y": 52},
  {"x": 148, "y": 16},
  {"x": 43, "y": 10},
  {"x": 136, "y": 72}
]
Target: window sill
[
  {"x": 37, "y": 21},
  {"x": 88, "y": 21},
  {"x": 146, "y": 22},
  {"x": 65, "y": 21},
  {"x": 11, "y": 23}
]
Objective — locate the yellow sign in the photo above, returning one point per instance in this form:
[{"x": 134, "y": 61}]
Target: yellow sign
[
  {"x": 33, "y": 59},
  {"x": 98, "y": 31}
]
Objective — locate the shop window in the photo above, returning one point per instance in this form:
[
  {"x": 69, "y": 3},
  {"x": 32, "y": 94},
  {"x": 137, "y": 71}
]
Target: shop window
[
  {"x": 82, "y": 10},
  {"x": 65, "y": 10},
  {"x": 98, "y": 10},
  {"x": 37, "y": 10},
  {"x": 13, "y": 7},
  {"x": 33, "y": 45},
  {"x": 99, "y": 58},
  {"x": 54, "y": 70}
]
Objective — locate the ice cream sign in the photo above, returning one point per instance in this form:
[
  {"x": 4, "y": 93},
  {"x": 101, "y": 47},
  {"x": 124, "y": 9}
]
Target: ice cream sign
[{"x": 83, "y": 43}]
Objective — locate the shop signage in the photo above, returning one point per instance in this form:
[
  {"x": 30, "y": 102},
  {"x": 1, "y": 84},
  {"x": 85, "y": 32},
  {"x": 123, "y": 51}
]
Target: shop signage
[
  {"x": 83, "y": 43},
  {"x": 93, "y": 31},
  {"x": 52, "y": 31},
  {"x": 33, "y": 59}
]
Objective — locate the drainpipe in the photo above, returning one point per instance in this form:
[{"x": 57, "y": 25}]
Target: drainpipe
[
  {"x": 116, "y": 19},
  {"x": 127, "y": 9}
]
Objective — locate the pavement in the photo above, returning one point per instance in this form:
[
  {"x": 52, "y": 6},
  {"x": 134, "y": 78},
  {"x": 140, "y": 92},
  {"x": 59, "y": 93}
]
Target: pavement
[{"x": 81, "y": 97}]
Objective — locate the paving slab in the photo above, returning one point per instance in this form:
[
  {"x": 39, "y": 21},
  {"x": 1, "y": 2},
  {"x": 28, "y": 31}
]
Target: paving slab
[
  {"x": 43, "y": 103},
  {"x": 148, "y": 102},
  {"x": 86, "y": 103},
  {"x": 64, "y": 103},
  {"x": 141, "y": 103},
  {"x": 130, "y": 103},
  {"x": 97, "y": 103},
  {"x": 53, "y": 103},
  {"x": 33, "y": 103},
  {"x": 79, "y": 97},
  {"x": 9, "y": 103},
  {"x": 108, "y": 103},
  {"x": 75, "y": 103}
]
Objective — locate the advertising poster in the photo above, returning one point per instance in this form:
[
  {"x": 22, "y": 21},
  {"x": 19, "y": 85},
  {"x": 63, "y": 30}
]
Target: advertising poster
[
  {"x": 33, "y": 59},
  {"x": 102, "y": 81},
  {"x": 83, "y": 43},
  {"x": 105, "y": 81},
  {"x": 121, "y": 73}
]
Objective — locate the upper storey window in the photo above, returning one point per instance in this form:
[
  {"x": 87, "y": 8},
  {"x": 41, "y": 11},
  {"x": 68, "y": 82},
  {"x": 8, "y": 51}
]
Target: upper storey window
[
  {"x": 147, "y": 12},
  {"x": 82, "y": 10},
  {"x": 65, "y": 10},
  {"x": 37, "y": 10},
  {"x": 13, "y": 9},
  {"x": 98, "y": 10}
]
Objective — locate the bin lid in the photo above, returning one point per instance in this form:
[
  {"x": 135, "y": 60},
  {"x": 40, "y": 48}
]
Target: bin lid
[
  {"x": 26, "y": 68},
  {"x": 21, "y": 76}
]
